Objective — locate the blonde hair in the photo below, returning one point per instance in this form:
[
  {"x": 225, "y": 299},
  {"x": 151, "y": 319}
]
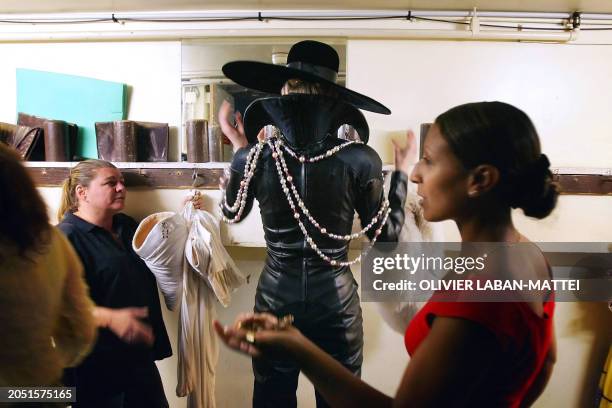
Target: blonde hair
[
  {"x": 81, "y": 174},
  {"x": 298, "y": 86}
]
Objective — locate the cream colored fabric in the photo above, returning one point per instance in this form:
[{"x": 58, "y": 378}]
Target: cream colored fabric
[
  {"x": 193, "y": 269},
  {"x": 160, "y": 241},
  {"x": 45, "y": 314},
  {"x": 198, "y": 349},
  {"x": 209, "y": 274},
  {"x": 207, "y": 256},
  {"x": 416, "y": 229}
]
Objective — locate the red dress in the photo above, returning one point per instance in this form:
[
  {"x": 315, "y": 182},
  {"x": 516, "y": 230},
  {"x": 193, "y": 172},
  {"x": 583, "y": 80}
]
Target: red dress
[{"x": 523, "y": 336}]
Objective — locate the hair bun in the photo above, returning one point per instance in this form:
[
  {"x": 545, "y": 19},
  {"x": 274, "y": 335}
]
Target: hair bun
[{"x": 534, "y": 190}]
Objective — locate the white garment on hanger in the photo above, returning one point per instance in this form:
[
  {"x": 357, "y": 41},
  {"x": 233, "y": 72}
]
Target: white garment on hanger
[
  {"x": 160, "y": 242},
  {"x": 416, "y": 229},
  {"x": 185, "y": 253}
]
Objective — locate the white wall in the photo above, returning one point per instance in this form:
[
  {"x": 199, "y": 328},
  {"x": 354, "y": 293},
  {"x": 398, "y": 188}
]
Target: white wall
[
  {"x": 150, "y": 69},
  {"x": 565, "y": 89},
  {"x": 567, "y": 92}
]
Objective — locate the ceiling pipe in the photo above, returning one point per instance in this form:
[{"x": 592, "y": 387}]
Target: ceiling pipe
[
  {"x": 482, "y": 35},
  {"x": 165, "y": 30},
  {"x": 169, "y": 15}
]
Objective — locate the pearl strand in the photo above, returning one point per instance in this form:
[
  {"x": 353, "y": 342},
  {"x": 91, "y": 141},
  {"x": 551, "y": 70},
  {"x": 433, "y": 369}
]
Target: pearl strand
[
  {"x": 277, "y": 152},
  {"x": 249, "y": 171},
  {"x": 307, "y": 236},
  {"x": 330, "y": 152}
]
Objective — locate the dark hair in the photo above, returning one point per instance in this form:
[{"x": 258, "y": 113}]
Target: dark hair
[
  {"x": 501, "y": 135},
  {"x": 25, "y": 222},
  {"x": 293, "y": 86}
]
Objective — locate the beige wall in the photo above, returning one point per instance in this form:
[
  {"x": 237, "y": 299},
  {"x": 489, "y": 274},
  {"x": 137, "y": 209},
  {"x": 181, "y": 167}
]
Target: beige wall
[{"x": 566, "y": 90}]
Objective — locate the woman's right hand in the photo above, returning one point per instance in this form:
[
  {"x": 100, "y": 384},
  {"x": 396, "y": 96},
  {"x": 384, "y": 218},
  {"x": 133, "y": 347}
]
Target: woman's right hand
[
  {"x": 234, "y": 134},
  {"x": 405, "y": 153},
  {"x": 126, "y": 324},
  {"x": 267, "y": 341}
]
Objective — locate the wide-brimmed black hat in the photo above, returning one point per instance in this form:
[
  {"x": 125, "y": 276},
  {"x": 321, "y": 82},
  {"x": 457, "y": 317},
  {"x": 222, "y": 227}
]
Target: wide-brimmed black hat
[
  {"x": 317, "y": 115},
  {"x": 311, "y": 61}
]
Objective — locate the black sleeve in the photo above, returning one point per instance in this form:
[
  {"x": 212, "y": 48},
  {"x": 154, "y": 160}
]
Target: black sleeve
[
  {"x": 233, "y": 184},
  {"x": 372, "y": 197}
]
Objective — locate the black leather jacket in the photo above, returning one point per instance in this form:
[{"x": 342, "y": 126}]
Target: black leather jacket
[{"x": 332, "y": 190}]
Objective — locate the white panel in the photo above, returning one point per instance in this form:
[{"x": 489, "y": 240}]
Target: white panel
[{"x": 565, "y": 89}]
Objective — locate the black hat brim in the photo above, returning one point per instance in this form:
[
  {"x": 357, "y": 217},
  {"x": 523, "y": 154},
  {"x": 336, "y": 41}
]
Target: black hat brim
[{"x": 270, "y": 78}]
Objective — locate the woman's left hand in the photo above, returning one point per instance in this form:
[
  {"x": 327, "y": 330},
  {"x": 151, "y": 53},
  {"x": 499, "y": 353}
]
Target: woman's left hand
[
  {"x": 268, "y": 341},
  {"x": 405, "y": 153},
  {"x": 196, "y": 199},
  {"x": 235, "y": 133}
]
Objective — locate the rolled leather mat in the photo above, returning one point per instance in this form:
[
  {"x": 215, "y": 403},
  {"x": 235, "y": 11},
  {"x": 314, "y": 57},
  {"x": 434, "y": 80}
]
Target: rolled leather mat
[
  {"x": 215, "y": 144},
  {"x": 196, "y": 131},
  {"x": 131, "y": 141},
  {"x": 116, "y": 141},
  {"x": 24, "y": 139},
  {"x": 152, "y": 140},
  {"x": 59, "y": 137},
  {"x": 160, "y": 241},
  {"x": 60, "y": 140}
]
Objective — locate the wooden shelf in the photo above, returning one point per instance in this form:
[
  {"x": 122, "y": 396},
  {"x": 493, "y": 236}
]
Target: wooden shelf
[
  {"x": 180, "y": 175},
  {"x": 152, "y": 175}
]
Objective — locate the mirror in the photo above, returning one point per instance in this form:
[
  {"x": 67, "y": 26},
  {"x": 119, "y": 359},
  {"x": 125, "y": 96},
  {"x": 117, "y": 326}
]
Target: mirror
[{"x": 204, "y": 87}]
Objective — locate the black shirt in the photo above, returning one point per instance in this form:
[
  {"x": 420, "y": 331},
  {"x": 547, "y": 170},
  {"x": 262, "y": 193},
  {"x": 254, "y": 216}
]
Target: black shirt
[{"x": 117, "y": 278}]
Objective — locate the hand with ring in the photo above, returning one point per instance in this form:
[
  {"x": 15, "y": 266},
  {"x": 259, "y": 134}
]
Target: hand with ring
[{"x": 261, "y": 334}]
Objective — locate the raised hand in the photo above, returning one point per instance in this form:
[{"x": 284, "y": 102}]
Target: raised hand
[
  {"x": 234, "y": 133},
  {"x": 405, "y": 153}
]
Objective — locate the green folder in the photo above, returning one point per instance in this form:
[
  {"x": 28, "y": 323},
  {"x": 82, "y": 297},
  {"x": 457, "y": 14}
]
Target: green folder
[{"x": 74, "y": 99}]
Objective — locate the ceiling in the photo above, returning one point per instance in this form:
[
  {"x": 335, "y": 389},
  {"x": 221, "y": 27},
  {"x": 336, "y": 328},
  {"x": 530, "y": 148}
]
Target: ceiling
[{"x": 56, "y": 6}]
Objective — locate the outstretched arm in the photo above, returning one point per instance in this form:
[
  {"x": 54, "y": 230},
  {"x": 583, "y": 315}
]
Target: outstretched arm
[{"x": 445, "y": 370}]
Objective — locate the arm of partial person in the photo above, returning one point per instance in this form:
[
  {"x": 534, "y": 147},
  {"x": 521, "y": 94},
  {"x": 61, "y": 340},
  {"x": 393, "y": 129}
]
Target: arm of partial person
[
  {"x": 447, "y": 368},
  {"x": 540, "y": 382},
  {"x": 76, "y": 330}
]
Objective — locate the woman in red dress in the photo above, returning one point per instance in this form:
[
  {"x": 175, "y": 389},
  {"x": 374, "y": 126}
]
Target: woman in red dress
[{"x": 479, "y": 161}]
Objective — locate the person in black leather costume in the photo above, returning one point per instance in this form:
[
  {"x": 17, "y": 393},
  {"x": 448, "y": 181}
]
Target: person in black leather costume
[{"x": 323, "y": 298}]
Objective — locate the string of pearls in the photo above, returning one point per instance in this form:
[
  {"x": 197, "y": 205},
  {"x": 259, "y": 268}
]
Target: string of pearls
[
  {"x": 330, "y": 152},
  {"x": 243, "y": 190},
  {"x": 290, "y": 191},
  {"x": 277, "y": 153}
]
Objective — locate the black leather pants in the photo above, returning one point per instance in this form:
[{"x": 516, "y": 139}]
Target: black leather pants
[{"x": 336, "y": 328}]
